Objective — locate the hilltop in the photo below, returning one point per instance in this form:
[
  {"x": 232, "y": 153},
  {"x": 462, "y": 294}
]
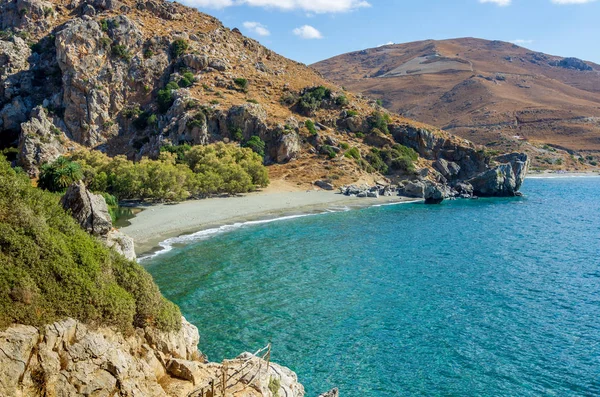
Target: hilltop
[
  {"x": 133, "y": 77},
  {"x": 491, "y": 92}
]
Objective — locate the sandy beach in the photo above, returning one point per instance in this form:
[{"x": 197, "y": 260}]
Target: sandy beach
[
  {"x": 160, "y": 222},
  {"x": 566, "y": 174}
]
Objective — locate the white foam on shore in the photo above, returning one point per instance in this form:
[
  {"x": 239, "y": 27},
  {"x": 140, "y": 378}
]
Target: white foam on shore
[
  {"x": 168, "y": 244},
  {"x": 563, "y": 176}
]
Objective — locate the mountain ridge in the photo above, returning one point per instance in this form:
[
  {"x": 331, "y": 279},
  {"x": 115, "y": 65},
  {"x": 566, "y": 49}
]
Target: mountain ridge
[{"x": 474, "y": 87}]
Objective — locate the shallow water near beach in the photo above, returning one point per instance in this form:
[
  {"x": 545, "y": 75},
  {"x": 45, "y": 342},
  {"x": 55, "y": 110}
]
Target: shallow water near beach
[{"x": 472, "y": 297}]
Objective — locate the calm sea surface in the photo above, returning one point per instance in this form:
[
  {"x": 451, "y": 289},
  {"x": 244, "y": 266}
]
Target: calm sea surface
[{"x": 485, "y": 297}]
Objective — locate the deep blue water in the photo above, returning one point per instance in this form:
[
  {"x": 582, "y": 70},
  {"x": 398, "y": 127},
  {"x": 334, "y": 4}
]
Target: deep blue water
[{"x": 484, "y": 297}]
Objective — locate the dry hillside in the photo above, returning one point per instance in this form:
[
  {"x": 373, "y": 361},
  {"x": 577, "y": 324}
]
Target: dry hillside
[{"x": 490, "y": 92}]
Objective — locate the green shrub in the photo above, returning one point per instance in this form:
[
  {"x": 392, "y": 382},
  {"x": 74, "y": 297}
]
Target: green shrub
[
  {"x": 178, "y": 150},
  {"x": 187, "y": 80},
  {"x": 310, "y": 126},
  {"x": 312, "y": 98},
  {"x": 52, "y": 269},
  {"x": 329, "y": 151},
  {"x": 380, "y": 121},
  {"x": 237, "y": 134},
  {"x": 353, "y": 153},
  {"x": 59, "y": 175},
  {"x": 257, "y": 145},
  {"x": 104, "y": 25},
  {"x": 342, "y": 100},
  {"x": 289, "y": 98},
  {"x": 144, "y": 120},
  {"x": 241, "y": 82},
  {"x": 165, "y": 97},
  {"x": 252, "y": 101},
  {"x": 351, "y": 113},
  {"x": 379, "y": 102},
  {"x": 148, "y": 53},
  {"x": 344, "y": 146},
  {"x": 274, "y": 386},
  {"x": 121, "y": 52},
  {"x": 198, "y": 121},
  {"x": 359, "y": 134},
  {"x": 179, "y": 47},
  {"x": 375, "y": 160}
]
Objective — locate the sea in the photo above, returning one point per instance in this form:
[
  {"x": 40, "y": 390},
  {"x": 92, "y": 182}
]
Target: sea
[{"x": 488, "y": 297}]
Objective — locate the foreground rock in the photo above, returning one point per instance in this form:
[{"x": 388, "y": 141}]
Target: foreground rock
[
  {"x": 504, "y": 180},
  {"x": 91, "y": 212},
  {"x": 68, "y": 358}
]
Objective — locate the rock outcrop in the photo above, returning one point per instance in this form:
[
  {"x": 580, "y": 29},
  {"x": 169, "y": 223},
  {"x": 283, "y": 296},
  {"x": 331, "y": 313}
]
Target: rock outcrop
[
  {"x": 40, "y": 142},
  {"x": 69, "y": 358},
  {"x": 503, "y": 180},
  {"x": 91, "y": 212}
]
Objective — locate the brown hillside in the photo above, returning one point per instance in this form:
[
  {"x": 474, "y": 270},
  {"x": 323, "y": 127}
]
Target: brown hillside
[{"x": 489, "y": 92}]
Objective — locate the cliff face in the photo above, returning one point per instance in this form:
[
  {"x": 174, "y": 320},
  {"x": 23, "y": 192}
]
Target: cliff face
[
  {"x": 131, "y": 76},
  {"x": 68, "y": 358}
]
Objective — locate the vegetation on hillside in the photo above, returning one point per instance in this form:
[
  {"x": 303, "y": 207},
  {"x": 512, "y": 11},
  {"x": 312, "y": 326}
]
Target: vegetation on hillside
[
  {"x": 52, "y": 269},
  {"x": 180, "y": 172}
]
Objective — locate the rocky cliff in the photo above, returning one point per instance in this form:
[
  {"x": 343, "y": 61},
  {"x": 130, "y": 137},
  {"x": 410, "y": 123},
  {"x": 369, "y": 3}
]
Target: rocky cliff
[
  {"x": 69, "y": 358},
  {"x": 131, "y": 76}
]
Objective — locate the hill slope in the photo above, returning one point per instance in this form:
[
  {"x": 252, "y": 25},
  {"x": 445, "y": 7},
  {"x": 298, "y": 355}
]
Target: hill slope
[{"x": 490, "y": 92}]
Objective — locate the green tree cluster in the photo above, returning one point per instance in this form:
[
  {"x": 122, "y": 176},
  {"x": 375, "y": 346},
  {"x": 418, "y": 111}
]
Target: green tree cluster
[
  {"x": 312, "y": 98},
  {"x": 180, "y": 172},
  {"x": 395, "y": 158},
  {"x": 52, "y": 269}
]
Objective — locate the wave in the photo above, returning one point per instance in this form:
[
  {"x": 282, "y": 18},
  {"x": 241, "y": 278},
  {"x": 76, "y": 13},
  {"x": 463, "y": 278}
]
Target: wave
[{"x": 168, "y": 244}]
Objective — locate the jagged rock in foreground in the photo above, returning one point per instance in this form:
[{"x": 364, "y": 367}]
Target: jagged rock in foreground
[
  {"x": 332, "y": 393},
  {"x": 91, "y": 212},
  {"x": 68, "y": 358}
]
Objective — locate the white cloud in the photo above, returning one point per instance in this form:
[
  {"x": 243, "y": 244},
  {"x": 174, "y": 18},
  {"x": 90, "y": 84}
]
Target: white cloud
[
  {"x": 257, "y": 28},
  {"x": 521, "y": 42},
  {"x": 316, "y": 6},
  {"x": 308, "y": 32},
  {"x": 572, "y": 1},
  {"x": 501, "y": 3},
  {"x": 388, "y": 43}
]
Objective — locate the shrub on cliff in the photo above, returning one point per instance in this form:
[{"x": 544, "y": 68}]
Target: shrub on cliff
[
  {"x": 312, "y": 98},
  {"x": 59, "y": 175},
  {"x": 52, "y": 269},
  {"x": 257, "y": 145},
  {"x": 179, "y": 47}
]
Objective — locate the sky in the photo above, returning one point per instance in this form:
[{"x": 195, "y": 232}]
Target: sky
[{"x": 312, "y": 30}]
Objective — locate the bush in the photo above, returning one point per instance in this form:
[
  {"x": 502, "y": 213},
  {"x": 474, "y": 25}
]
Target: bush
[
  {"x": 328, "y": 150},
  {"x": 148, "y": 53},
  {"x": 312, "y": 98},
  {"x": 121, "y": 52},
  {"x": 104, "y": 25},
  {"x": 237, "y": 134},
  {"x": 241, "y": 83},
  {"x": 351, "y": 113},
  {"x": 344, "y": 146},
  {"x": 310, "y": 126},
  {"x": 144, "y": 120},
  {"x": 198, "y": 121},
  {"x": 52, "y": 269},
  {"x": 353, "y": 153},
  {"x": 187, "y": 80},
  {"x": 59, "y": 175},
  {"x": 178, "y": 150},
  {"x": 342, "y": 100},
  {"x": 375, "y": 160},
  {"x": 179, "y": 47},
  {"x": 379, "y": 121},
  {"x": 165, "y": 97},
  {"x": 257, "y": 145}
]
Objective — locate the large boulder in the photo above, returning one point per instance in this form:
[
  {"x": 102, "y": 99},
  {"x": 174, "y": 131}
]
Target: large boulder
[
  {"x": 287, "y": 147},
  {"x": 413, "y": 189},
  {"x": 121, "y": 243},
  {"x": 89, "y": 209},
  {"x": 40, "y": 142},
  {"x": 434, "y": 194},
  {"x": 503, "y": 180}
]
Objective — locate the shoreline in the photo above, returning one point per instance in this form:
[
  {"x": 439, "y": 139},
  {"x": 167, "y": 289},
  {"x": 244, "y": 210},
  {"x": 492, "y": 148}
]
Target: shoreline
[
  {"x": 158, "y": 223},
  {"x": 565, "y": 174}
]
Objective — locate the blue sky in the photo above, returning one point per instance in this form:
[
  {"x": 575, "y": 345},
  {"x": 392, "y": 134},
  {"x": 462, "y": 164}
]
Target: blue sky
[{"x": 313, "y": 30}]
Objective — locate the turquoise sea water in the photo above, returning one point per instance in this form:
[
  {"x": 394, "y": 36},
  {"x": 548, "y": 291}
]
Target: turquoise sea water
[{"x": 485, "y": 297}]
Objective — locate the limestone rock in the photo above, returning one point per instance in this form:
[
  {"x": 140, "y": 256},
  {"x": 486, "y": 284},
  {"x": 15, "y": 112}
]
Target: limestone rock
[
  {"x": 413, "y": 189},
  {"x": 325, "y": 185},
  {"x": 39, "y": 142},
  {"x": 89, "y": 209},
  {"x": 288, "y": 147},
  {"x": 182, "y": 344},
  {"x": 433, "y": 194},
  {"x": 503, "y": 180},
  {"x": 332, "y": 393},
  {"x": 121, "y": 243}
]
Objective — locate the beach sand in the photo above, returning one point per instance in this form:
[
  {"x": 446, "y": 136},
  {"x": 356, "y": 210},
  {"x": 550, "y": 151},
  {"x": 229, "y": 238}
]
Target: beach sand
[
  {"x": 566, "y": 174},
  {"x": 160, "y": 222}
]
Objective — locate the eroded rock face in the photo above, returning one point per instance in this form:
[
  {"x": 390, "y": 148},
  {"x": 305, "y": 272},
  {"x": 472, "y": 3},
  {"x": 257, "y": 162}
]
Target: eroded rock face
[
  {"x": 433, "y": 194},
  {"x": 40, "y": 142},
  {"x": 89, "y": 209},
  {"x": 71, "y": 359},
  {"x": 503, "y": 180},
  {"x": 121, "y": 243}
]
